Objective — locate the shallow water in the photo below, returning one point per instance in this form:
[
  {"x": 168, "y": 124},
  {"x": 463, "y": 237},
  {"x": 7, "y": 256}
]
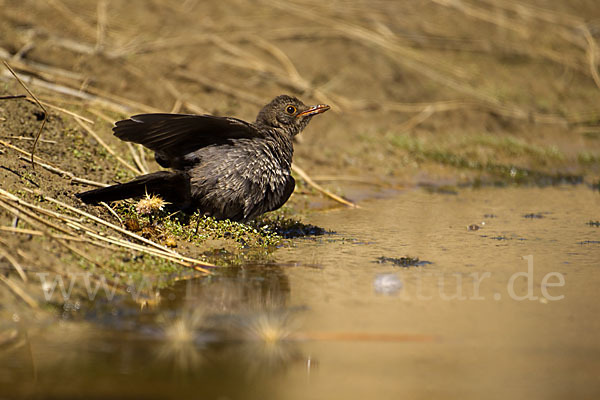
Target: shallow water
[{"x": 507, "y": 310}]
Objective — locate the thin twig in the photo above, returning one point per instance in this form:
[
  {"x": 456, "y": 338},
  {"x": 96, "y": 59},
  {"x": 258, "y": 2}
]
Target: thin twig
[
  {"x": 112, "y": 102},
  {"x": 65, "y": 111},
  {"x": 136, "y": 157},
  {"x": 44, "y": 164},
  {"x": 107, "y": 147},
  {"x": 67, "y": 175},
  {"x": 110, "y": 210},
  {"x": 416, "y": 119},
  {"x": 73, "y": 17},
  {"x": 34, "y": 232},
  {"x": 161, "y": 252},
  {"x": 37, "y": 137},
  {"x": 592, "y": 52},
  {"x": 221, "y": 87},
  {"x": 13, "y": 261},
  {"x": 16, "y": 96},
  {"x": 126, "y": 232},
  {"x": 16, "y": 210},
  {"x": 101, "y": 23},
  {"x": 20, "y": 292},
  {"x": 33, "y": 216},
  {"x": 320, "y": 188},
  {"x": 28, "y": 138}
]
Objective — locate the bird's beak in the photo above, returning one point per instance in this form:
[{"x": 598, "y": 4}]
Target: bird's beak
[{"x": 318, "y": 109}]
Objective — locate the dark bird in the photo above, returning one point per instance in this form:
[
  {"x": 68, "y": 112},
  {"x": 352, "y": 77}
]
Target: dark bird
[{"x": 224, "y": 167}]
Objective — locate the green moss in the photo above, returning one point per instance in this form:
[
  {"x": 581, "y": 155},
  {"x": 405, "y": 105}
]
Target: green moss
[
  {"x": 588, "y": 158},
  {"x": 592, "y": 134},
  {"x": 197, "y": 228},
  {"x": 122, "y": 174},
  {"x": 484, "y": 152},
  {"x": 515, "y": 147}
]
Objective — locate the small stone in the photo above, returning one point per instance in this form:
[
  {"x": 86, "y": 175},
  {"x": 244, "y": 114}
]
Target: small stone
[{"x": 387, "y": 284}]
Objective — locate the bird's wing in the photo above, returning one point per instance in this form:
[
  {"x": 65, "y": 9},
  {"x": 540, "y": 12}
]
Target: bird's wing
[{"x": 175, "y": 135}]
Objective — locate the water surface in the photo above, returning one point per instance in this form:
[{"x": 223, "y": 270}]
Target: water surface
[{"x": 503, "y": 303}]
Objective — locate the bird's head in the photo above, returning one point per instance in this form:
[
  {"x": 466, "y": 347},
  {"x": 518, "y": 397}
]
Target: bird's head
[{"x": 288, "y": 113}]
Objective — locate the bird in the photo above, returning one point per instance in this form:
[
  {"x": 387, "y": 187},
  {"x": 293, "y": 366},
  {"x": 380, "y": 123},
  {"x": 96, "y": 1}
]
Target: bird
[{"x": 223, "y": 167}]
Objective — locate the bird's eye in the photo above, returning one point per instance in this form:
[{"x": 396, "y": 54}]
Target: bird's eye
[{"x": 290, "y": 109}]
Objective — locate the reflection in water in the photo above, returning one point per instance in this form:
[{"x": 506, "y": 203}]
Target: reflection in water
[
  {"x": 241, "y": 316},
  {"x": 233, "y": 327},
  {"x": 178, "y": 339}
]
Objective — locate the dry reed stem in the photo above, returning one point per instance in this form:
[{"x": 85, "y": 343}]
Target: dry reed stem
[
  {"x": 147, "y": 250},
  {"x": 412, "y": 60},
  {"x": 416, "y": 119},
  {"x": 128, "y": 233},
  {"x": 107, "y": 147},
  {"x": 101, "y": 23},
  {"x": 483, "y": 15},
  {"x": 65, "y": 111},
  {"x": 592, "y": 52},
  {"x": 292, "y": 73},
  {"x": 159, "y": 252},
  {"x": 110, "y": 210},
  {"x": 19, "y": 292},
  {"x": 66, "y": 174},
  {"x": 176, "y": 106},
  {"x": 221, "y": 87},
  {"x": 533, "y": 12},
  {"x": 44, "y": 164},
  {"x": 19, "y": 211},
  {"x": 33, "y": 216},
  {"x": 321, "y": 189},
  {"x": 13, "y": 261},
  {"x": 29, "y": 139},
  {"x": 136, "y": 157},
  {"x": 94, "y": 96},
  {"x": 171, "y": 88},
  {"x": 142, "y": 155},
  {"x": 13, "y": 229},
  {"x": 286, "y": 75},
  {"x": 194, "y": 108},
  {"x": 47, "y": 72},
  {"x": 73, "y": 18},
  {"x": 116, "y": 99},
  {"x": 34, "y": 232},
  {"x": 100, "y": 115},
  {"x": 11, "y": 97},
  {"x": 129, "y": 245},
  {"x": 37, "y": 137}
]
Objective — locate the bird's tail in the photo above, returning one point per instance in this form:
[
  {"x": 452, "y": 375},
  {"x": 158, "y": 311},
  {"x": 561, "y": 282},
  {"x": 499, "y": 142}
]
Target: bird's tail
[{"x": 173, "y": 187}]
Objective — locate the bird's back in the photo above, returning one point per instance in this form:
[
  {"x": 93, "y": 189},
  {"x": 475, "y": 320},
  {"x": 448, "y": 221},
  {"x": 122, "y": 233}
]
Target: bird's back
[{"x": 241, "y": 179}]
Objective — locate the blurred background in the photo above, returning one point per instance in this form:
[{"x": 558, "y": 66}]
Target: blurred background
[{"x": 431, "y": 91}]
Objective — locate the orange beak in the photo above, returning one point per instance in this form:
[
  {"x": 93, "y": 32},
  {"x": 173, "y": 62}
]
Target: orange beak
[{"x": 318, "y": 109}]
